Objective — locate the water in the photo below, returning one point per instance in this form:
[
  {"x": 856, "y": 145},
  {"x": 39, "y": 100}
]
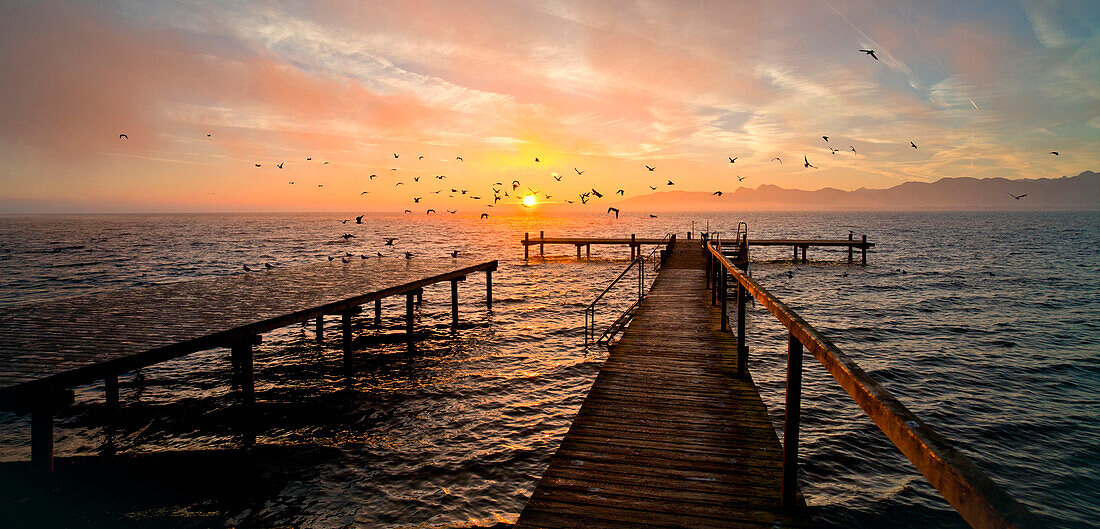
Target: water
[{"x": 984, "y": 324}]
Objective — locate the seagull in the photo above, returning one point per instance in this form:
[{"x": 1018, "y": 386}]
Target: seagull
[
  {"x": 454, "y": 254},
  {"x": 429, "y": 212},
  {"x": 326, "y": 163},
  {"x": 1054, "y": 153},
  {"x": 914, "y": 145},
  {"x": 395, "y": 155},
  {"x": 652, "y": 216},
  {"x": 440, "y": 177},
  {"x": 268, "y": 266},
  {"x": 459, "y": 158},
  {"x": 408, "y": 211},
  {"x": 733, "y": 159},
  {"x": 557, "y": 177},
  {"x": 125, "y": 137},
  {"x": 389, "y": 240},
  {"x": 421, "y": 157},
  {"x": 452, "y": 211},
  {"x": 578, "y": 171},
  {"x": 416, "y": 200},
  {"x": 717, "y": 193},
  {"x": 308, "y": 158},
  {"x": 359, "y": 219},
  {"x": 363, "y": 193},
  {"x": 670, "y": 183},
  {"x": 536, "y": 159},
  {"x": 347, "y": 236},
  {"x": 597, "y": 193},
  {"x": 584, "y": 198},
  {"x": 343, "y": 259},
  {"x": 208, "y": 135},
  {"x": 650, "y": 168},
  {"x": 833, "y": 150},
  {"x": 320, "y": 185},
  {"x": 484, "y": 215},
  {"x": 362, "y": 256},
  {"x": 653, "y": 187},
  {"x": 397, "y": 184},
  {"x": 247, "y": 269},
  {"x": 568, "y": 201},
  {"x": 416, "y": 179},
  {"x": 257, "y": 165},
  {"x": 379, "y": 253},
  {"x": 826, "y": 138},
  {"x": 345, "y": 221},
  {"x": 871, "y": 53},
  {"x": 620, "y": 192},
  {"x": 408, "y": 255},
  {"x": 1017, "y": 197},
  {"x": 853, "y": 148},
  {"x": 740, "y": 178},
  {"x": 372, "y": 176},
  {"x": 616, "y": 210},
  {"x": 292, "y": 182},
  {"x": 515, "y": 184},
  {"x": 778, "y": 160},
  {"x": 280, "y": 165},
  {"x": 807, "y": 162},
  {"x": 330, "y": 258}
]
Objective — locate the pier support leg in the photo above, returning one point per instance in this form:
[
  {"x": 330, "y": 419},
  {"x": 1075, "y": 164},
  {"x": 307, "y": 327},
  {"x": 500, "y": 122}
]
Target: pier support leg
[
  {"x": 542, "y": 247},
  {"x": 526, "y": 245},
  {"x": 789, "y": 487},
  {"x": 635, "y": 251},
  {"x": 849, "y": 247},
  {"x": 588, "y": 252},
  {"x": 489, "y": 289},
  {"x": 863, "y": 249},
  {"x": 110, "y": 390},
  {"x": 578, "y": 252},
  {"x": 419, "y": 297},
  {"x": 725, "y": 320},
  {"x": 409, "y": 315},
  {"x": 804, "y": 253},
  {"x": 742, "y": 348},
  {"x": 795, "y": 258},
  {"x": 242, "y": 358},
  {"x": 378, "y": 313},
  {"x": 345, "y": 331},
  {"x": 320, "y": 329},
  {"x": 42, "y": 436},
  {"x": 454, "y": 305}
]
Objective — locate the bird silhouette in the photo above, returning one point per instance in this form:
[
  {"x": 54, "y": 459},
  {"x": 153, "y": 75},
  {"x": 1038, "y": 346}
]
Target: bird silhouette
[
  {"x": 408, "y": 211},
  {"x": 654, "y": 188},
  {"x": 359, "y": 219},
  {"x": 515, "y": 184},
  {"x": 871, "y": 53},
  {"x": 408, "y": 255},
  {"x": 1017, "y": 197},
  {"x": 616, "y": 210},
  {"x": 452, "y": 211},
  {"x": 320, "y": 185},
  {"x": 280, "y": 165},
  {"x": 853, "y": 148},
  {"x": 372, "y": 176},
  {"x": 670, "y": 183},
  {"x": 578, "y": 171},
  {"x": 379, "y": 253},
  {"x": 778, "y": 160},
  {"x": 740, "y": 178},
  {"x": 484, "y": 215},
  {"x": 826, "y": 138},
  {"x": 330, "y": 258},
  {"x": 914, "y": 145},
  {"x": 344, "y": 221},
  {"x": 429, "y": 212},
  {"x": 833, "y": 150},
  {"x": 398, "y": 184},
  {"x": 325, "y": 163},
  {"x": 268, "y": 266},
  {"x": 1054, "y": 153},
  {"x": 650, "y": 168},
  {"x": 395, "y": 155},
  {"x": 440, "y": 177},
  {"x": 123, "y": 137},
  {"x": 416, "y": 179},
  {"x": 257, "y": 165},
  {"x": 416, "y": 200},
  {"x": 454, "y": 253},
  {"x": 597, "y": 193},
  {"x": 347, "y": 236},
  {"x": 308, "y": 158},
  {"x": 292, "y": 182},
  {"x": 733, "y": 159},
  {"x": 343, "y": 259},
  {"x": 652, "y": 216},
  {"x": 536, "y": 159},
  {"x": 557, "y": 177},
  {"x": 620, "y": 192},
  {"x": 247, "y": 269},
  {"x": 421, "y": 157},
  {"x": 363, "y": 193},
  {"x": 717, "y": 193},
  {"x": 806, "y": 162},
  {"x": 459, "y": 158}
]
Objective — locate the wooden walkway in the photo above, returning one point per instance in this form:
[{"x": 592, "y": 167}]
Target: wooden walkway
[
  {"x": 668, "y": 436},
  {"x": 52, "y": 346}
]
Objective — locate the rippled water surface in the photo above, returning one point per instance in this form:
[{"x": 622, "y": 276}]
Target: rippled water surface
[{"x": 984, "y": 324}]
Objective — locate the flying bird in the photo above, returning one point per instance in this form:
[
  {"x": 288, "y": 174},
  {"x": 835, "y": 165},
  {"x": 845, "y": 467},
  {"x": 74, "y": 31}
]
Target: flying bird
[
  {"x": 652, "y": 216},
  {"x": 257, "y": 165},
  {"x": 389, "y": 240},
  {"x": 320, "y": 185},
  {"x": 515, "y": 184},
  {"x": 871, "y": 53},
  {"x": 292, "y": 182},
  {"x": 125, "y": 137},
  {"x": 597, "y": 193},
  {"x": 408, "y": 255},
  {"x": 343, "y": 259},
  {"x": 616, "y": 210},
  {"x": 620, "y": 192},
  {"x": 325, "y": 163},
  {"x": 459, "y": 158},
  {"x": 359, "y": 219},
  {"x": 347, "y": 236},
  {"x": 650, "y": 168},
  {"x": 833, "y": 150},
  {"x": 395, "y": 155},
  {"x": 740, "y": 178},
  {"x": 653, "y": 187},
  {"x": 484, "y": 215},
  {"x": 452, "y": 211},
  {"x": 1054, "y": 153},
  {"x": 557, "y": 177},
  {"x": 717, "y": 193},
  {"x": 454, "y": 253},
  {"x": 429, "y": 212},
  {"x": 373, "y": 176},
  {"x": 408, "y": 211},
  {"x": 363, "y": 193},
  {"x": 1017, "y": 197},
  {"x": 578, "y": 171},
  {"x": 345, "y": 221},
  {"x": 733, "y": 159},
  {"x": 778, "y": 160},
  {"x": 914, "y": 145},
  {"x": 280, "y": 165},
  {"x": 397, "y": 184},
  {"x": 247, "y": 269},
  {"x": 536, "y": 159},
  {"x": 826, "y": 138},
  {"x": 416, "y": 200},
  {"x": 421, "y": 157},
  {"x": 308, "y": 158},
  {"x": 670, "y": 183},
  {"x": 268, "y": 266},
  {"x": 416, "y": 179},
  {"x": 806, "y": 162},
  {"x": 853, "y": 148},
  {"x": 440, "y": 177}
]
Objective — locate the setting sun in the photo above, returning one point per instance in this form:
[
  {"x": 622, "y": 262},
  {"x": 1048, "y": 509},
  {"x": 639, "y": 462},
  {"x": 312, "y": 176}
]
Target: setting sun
[{"x": 529, "y": 200}]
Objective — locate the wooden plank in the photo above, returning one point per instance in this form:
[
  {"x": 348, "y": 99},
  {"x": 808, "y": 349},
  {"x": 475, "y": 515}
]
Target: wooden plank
[{"x": 666, "y": 436}]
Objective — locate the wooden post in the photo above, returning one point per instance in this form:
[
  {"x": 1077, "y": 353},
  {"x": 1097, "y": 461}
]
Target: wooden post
[
  {"x": 789, "y": 487},
  {"x": 633, "y": 246},
  {"x": 409, "y": 314},
  {"x": 241, "y": 351},
  {"x": 578, "y": 252},
  {"x": 526, "y": 245},
  {"x": 454, "y": 305},
  {"x": 795, "y": 253},
  {"x": 725, "y": 324},
  {"x": 542, "y": 247},
  {"x": 378, "y": 312},
  {"x": 345, "y": 329},
  {"x": 742, "y": 348},
  {"x": 489, "y": 289},
  {"x": 320, "y": 329},
  {"x": 42, "y": 434},
  {"x": 849, "y": 247},
  {"x": 804, "y": 253},
  {"x": 588, "y": 251},
  {"x": 419, "y": 297},
  {"x": 863, "y": 248},
  {"x": 110, "y": 390}
]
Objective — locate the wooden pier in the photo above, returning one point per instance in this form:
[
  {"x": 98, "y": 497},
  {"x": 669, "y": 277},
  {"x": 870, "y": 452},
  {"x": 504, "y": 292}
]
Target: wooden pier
[
  {"x": 635, "y": 243},
  {"x": 47, "y": 348},
  {"x": 669, "y": 435}
]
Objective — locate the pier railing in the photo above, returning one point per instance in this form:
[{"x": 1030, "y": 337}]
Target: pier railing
[
  {"x": 664, "y": 246},
  {"x": 973, "y": 494}
]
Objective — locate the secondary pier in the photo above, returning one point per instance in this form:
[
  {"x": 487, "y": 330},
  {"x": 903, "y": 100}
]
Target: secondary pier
[
  {"x": 674, "y": 433},
  {"x": 47, "y": 348}
]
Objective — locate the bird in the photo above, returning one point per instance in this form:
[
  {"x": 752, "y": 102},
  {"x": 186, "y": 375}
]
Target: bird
[
  {"x": 650, "y": 168},
  {"x": 257, "y": 165},
  {"x": 914, "y": 145},
  {"x": 359, "y": 219},
  {"x": 429, "y": 212},
  {"x": 421, "y": 157},
  {"x": 452, "y": 211},
  {"x": 416, "y": 200},
  {"x": 1054, "y": 153},
  {"x": 536, "y": 159},
  {"x": 416, "y": 179},
  {"x": 853, "y": 148},
  {"x": 733, "y": 159},
  {"x": 208, "y": 135},
  {"x": 440, "y": 177},
  {"x": 717, "y": 193},
  {"x": 292, "y": 182},
  {"x": 399, "y": 183},
  {"x": 320, "y": 185},
  {"x": 362, "y": 256},
  {"x": 620, "y": 192},
  {"x": 740, "y": 178},
  {"x": 408, "y": 211},
  {"x": 330, "y": 258},
  {"x": 395, "y": 155},
  {"x": 833, "y": 150},
  {"x": 557, "y": 177},
  {"x": 652, "y": 216},
  {"x": 347, "y": 236},
  {"x": 790, "y": 274},
  {"x": 826, "y": 138},
  {"x": 408, "y": 255},
  {"x": 1017, "y": 197},
  {"x": 806, "y": 162},
  {"x": 654, "y": 188},
  {"x": 280, "y": 165},
  {"x": 123, "y": 137},
  {"x": 379, "y": 253},
  {"x": 343, "y": 259},
  {"x": 247, "y": 269},
  {"x": 778, "y": 160},
  {"x": 344, "y": 221},
  {"x": 584, "y": 198},
  {"x": 597, "y": 193},
  {"x": 454, "y": 253},
  {"x": 568, "y": 201},
  {"x": 363, "y": 193},
  {"x": 578, "y": 171},
  {"x": 308, "y": 158},
  {"x": 268, "y": 266},
  {"x": 484, "y": 215},
  {"x": 515, "y": 184},
  {"x": 871, "y": 53},
  {"x": 616, "y": 210},
  {"x": 373, "y": 176},
  {"x": 670, "y": 183},
  {"x": 389, "y": 240},
  {"x": 325, "y": 163}
]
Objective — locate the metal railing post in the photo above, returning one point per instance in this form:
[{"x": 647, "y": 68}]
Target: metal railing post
[
  {"x": 742, "y": 348},
  {"x": 789, "y": 487}
]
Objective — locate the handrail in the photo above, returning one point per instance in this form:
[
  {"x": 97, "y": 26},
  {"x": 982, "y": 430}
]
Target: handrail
[
  {"x": 658, "y": 263},
  {"x": 590, "y": 310},
  {"x": 973, "y": 494}
]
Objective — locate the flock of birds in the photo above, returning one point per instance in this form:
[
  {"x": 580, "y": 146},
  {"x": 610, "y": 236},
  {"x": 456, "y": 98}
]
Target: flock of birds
[{"x": 527, "y": 196}]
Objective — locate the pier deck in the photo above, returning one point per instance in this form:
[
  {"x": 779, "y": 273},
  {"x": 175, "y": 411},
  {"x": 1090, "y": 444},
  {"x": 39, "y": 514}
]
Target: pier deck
[
  {"x": 668, "y": 435},
  {"x": 48, "y": 347}
]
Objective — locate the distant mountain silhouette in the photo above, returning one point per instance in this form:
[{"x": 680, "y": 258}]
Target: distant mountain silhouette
[{"x": 1081, "y": 192}]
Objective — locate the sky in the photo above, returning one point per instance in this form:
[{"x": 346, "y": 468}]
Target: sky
[{"x": 204, "y": 91}]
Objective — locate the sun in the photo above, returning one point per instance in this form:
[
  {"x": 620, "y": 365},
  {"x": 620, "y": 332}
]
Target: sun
[{"x": 530, "y": 200}]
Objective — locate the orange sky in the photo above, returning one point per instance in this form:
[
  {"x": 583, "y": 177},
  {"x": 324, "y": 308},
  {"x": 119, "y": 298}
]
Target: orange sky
[{"x": 983, "y": 89}]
